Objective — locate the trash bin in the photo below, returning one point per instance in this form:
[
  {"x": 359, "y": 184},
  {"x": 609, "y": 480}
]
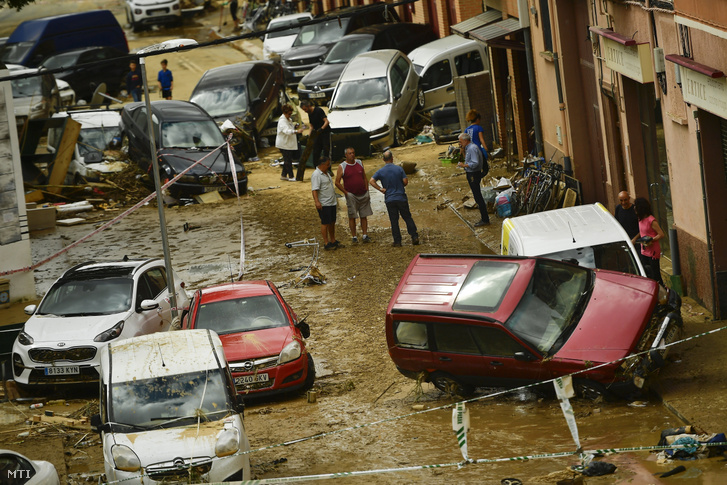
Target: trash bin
[{"x": 358, "y": 138}]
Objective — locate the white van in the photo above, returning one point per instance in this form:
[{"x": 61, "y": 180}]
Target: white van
[
  {"x": 169, "y": 411},
  {"x": 437, "y": 64},
  {"x": 586, "y": 234}
]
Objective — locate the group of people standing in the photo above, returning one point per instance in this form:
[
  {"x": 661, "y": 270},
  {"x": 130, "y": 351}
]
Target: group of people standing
[
  {"x": 135, "y": 84},
  {"x": 642, "y": 227}
]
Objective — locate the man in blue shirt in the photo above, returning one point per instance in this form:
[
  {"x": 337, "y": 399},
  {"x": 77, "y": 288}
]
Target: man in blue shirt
[
  {"x": 393, "y": 179},
  {"x": 473, "y": 166},
  {"x": 166, "y": 81}
]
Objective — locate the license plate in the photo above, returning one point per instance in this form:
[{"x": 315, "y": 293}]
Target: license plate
[
  {"x": 215, "y": 188},
  {"x": 317, "y": 95},
  {"x": 251, "y": 379},
  {"x": 300, "y": 73},
  {"x": 62, "y": 371}
]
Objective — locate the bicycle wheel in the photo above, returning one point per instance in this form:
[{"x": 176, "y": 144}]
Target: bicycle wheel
[{"x": 543, "y": 201}]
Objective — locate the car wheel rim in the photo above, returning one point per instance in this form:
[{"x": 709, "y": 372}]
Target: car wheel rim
[{"x": 420, "y": 98}]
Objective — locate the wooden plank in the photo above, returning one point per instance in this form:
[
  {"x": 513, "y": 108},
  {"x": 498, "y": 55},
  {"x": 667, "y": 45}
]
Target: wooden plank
[
  {"x": 208, "y": 198},
  {"x": 82, "y": 423},
  {"x": 64, "y": 155}
]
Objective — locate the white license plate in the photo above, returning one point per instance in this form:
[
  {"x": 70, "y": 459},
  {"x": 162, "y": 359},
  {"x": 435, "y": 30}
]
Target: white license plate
[
  {"x": 300, "y": 73},
  {"x": 62, "y": 371},
  {"x": 317, "y": 95},
  {"x": 215, "y": 188},
  {"x": 251, "y": 379}
]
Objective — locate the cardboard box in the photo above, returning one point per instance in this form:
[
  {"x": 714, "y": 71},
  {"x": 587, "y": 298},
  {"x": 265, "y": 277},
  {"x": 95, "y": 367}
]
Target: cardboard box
[{"x": 41, "y": 218}]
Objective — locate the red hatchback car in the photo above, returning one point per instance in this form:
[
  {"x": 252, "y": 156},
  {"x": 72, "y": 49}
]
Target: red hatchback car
[
  {"x": 262, "y": 337},
  {"x": 462, "y": 321}
]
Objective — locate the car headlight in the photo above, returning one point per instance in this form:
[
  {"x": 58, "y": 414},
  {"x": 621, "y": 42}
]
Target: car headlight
[
  {"x": 227, "y": 443},
  {"x": 290, "y": 352},
  {"x": 25, "y": 339},
  {"x": 167, "y": 169},
  {"x": 301, "y": 86},
  {"x": 111, "y": 333},
  {"x": 125, "y": 459}
]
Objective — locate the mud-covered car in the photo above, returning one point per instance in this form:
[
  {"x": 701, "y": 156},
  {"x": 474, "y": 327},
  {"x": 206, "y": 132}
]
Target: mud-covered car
[
  {"x": 263, "y": 339},
  {"x": 184, "y": 133},
  {"x": 464, "y": 321},
  {"x": 90, "y": 305}
]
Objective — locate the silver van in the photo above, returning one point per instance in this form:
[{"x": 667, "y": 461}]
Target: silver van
[{"x": 437, "y": 64}]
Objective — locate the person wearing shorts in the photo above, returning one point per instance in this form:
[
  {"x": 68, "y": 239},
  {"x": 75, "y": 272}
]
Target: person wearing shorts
[
  {"x": 324, "y": 196},
  {"x": 165, "y": 80},
  {"x": 351, "y": 180}
]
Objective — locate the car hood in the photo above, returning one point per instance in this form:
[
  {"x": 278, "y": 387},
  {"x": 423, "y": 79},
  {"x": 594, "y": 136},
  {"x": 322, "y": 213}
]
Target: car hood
[
  {"x": 181, "y": 158},
  {"x": 325, "y": 74},
  {"x": 306, "y": 51},
  {"x": 369, "y": 119},
  {"x": 47, "y": 328},
  {"x": 618, "y": 312},
  {"x": 253, "y": 345},
  {"x": 280, "y": 44},
  {"x": 162, "y": 445}
]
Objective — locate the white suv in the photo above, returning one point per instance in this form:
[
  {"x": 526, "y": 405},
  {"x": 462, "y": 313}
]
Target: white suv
[
  {"x": 88, "y": 306},
  {"x": 141, "y": 13}
]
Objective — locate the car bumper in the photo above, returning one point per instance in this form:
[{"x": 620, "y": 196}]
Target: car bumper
[
  {"x": 293, "y": 74},
  {"x": 281, "y": 379},
  {"x": 30, "y": 373},
  {"x": 222, "y": 470},
  {"x": 191, "y": 188}
]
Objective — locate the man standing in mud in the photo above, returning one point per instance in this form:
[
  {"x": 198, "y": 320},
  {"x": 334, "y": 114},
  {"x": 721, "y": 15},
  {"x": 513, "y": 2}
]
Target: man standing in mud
[
  {"x": 324, "y": 196},
  {"x": 351, "y": 180},
  {"x": 393, "y": 179}
]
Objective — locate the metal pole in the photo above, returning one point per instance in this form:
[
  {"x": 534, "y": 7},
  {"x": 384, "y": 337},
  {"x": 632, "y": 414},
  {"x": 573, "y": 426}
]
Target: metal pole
[{"x": 160, "y": 199}]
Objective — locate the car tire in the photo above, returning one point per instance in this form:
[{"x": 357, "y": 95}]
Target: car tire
[
  {"x": 311, "y": 376},
  {"x": 449, "y": 385},
  {"x": 420, "y": 98},
  {"x": 590, "y": 390}
]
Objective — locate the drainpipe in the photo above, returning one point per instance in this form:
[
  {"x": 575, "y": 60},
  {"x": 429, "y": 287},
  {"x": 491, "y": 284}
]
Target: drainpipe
[
  {"x": 567, "y": 166},
  {"x": 706, "y": 218},
  {"x": 524, "y": 17}
]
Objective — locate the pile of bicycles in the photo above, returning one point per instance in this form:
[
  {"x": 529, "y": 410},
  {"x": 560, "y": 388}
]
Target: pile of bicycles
[{"x": 538, "y": 186}]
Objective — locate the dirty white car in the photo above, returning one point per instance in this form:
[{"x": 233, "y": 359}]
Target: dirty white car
[
  {"x": 276, "y": 43},
  {"x": 16, "y": 468},
  {"x": 89, "y": 306},
  {"x": 170, "y": 412},
  {"x": 100, "y": 131},
  {"x": 377, "y": 92}
]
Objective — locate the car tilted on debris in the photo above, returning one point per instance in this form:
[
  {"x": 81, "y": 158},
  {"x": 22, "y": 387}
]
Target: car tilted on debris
[
  {"x": 463, "y": 321},
  {"x": 263, "y": 339},
  {"x": 184, "y": 134},
  {"x": 169, "y": 412},
  {"x": 89, "y": 306}
]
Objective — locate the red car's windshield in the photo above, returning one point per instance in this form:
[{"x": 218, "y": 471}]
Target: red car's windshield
[
  {"x": 241, "y": 315},
  {"x": 552, "y": 305}
]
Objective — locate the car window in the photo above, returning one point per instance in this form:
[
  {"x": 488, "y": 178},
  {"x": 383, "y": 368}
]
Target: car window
[
  {"x": 241, "y": 315},
  {"x": 411, "y": 335},
  {"x": 551, "y": 305},
  {"x": 157, "y": 281},
  {"x": 15, "y": 52},
  {"x": 485, "y": 286},
  {"x": 438, "y": 75},
  {"x": 188, "y": 134},
  {"x": 143, "y": 291},
  {"x": 495, "y": 342},
  {"x": 346, "y": 50},
  {"x": 468, "y": 63},
  {"x": 222, "y": 101},
  {"x": 102, "y": 296},
  {"x": 139, "y": 118},
  {"x": 615, "y": 256},
  {"x": 293, "y": 30},
  {"x": 322, "y": 33},
  {"x": 454, "y": 338},
  {"x": 361, "y": 94},
  {"x": 399, "y": 72},
  {"x": 254, "y": 86},
  {"x": 60, "y": 60}
]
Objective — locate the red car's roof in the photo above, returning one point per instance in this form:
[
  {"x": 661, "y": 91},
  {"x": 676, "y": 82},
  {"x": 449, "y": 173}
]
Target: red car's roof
[
  {"x": 431, "y": 284},
  {"x": 237, "y": 289}
]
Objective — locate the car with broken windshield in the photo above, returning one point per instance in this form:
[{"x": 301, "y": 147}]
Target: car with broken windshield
[
  {"x": 467, "y": 321},
  {"x": 90, "y": 305},
  {"x": 264, "y": 340},
  {"x": 188, "y": 140}
]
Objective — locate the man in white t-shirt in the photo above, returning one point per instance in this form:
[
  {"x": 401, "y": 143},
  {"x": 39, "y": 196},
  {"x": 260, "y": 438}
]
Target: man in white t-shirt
[{"x": 324, "y": 196}]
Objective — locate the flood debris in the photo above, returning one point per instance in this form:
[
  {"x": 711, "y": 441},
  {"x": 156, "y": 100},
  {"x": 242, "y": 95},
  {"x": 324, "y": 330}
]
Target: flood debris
[{"x": 690, "y": 444}]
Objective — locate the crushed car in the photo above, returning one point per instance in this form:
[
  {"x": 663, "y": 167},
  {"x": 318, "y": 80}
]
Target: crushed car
[
  {"x": 467, "y": 321},
  {"x": 264, "y": 340}
]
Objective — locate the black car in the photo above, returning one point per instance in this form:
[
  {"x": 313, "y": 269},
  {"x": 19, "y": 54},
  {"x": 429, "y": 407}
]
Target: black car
[
  {"x": 250, "y": 94},
  {"x": 84, "y": 76},
  {"x": 318, "y": 84},
  {"x": 184, "y": 133},
  {"x": 315, "y": 40}
]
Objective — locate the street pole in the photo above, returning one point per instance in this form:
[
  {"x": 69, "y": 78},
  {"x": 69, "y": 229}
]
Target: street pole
[{"x": 155, "y": 164}]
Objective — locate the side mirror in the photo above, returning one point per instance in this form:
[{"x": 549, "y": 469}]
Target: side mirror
[
  {"x": 303, "y": 327},
  {"x": 147, "y": 305},
  {"x": 524, "y": 356},
  {"x": 97, "y": 425},
  {"x": 30, "y": 309}
]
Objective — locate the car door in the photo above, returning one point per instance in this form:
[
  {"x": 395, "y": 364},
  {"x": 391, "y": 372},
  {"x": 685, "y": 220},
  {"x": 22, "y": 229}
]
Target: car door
[
  {"x": 139, "y": 137},
  {"x": 483, "y": 353},
  {"x": 401, "y": 90},
  {"x": 262, "y": 77},
  {"x": 437, "y": 84},
  {"x": 152, "y": 285}
]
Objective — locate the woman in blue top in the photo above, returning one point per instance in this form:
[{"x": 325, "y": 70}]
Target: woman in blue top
[{"x": 475, "y": 131}]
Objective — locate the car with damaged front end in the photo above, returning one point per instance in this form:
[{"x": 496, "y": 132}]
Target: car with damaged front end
[
  {"x": 169, "y": 412},
  {"x": 467, "y": 321}
]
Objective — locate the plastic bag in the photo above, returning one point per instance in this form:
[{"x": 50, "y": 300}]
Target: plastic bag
[{"x": 503, "y": 207}]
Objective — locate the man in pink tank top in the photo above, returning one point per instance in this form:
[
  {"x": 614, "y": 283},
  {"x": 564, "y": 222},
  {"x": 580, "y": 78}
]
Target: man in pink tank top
[{"x": 351, "y": 180}]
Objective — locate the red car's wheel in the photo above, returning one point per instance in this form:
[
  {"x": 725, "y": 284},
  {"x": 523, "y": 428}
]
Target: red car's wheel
[
  {"x": 449, "y": 385},
  {"x": 311, "y": 377}
]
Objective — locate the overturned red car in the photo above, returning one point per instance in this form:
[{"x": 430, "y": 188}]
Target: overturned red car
[
  {"x": 261, "y": 335},
  {"x": 464, "y": 321}
]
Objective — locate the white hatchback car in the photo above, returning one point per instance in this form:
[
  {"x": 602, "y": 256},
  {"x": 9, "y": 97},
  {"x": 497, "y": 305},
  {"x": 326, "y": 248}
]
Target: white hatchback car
[
  {"x": 377, "y": 92},
  {"x": 276, "y": 43},
  {"x": 90, "y": 305},
  {"x": 142, "y": 13},
  {"x": 170, "y": 412}
]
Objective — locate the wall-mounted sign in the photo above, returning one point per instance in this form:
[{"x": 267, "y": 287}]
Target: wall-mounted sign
[
  {"x": 704, "y": 91},
  {"x": 633, "y": 61}
]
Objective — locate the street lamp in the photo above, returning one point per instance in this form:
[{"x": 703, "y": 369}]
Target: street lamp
[{"x": 159, "y": 48}]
